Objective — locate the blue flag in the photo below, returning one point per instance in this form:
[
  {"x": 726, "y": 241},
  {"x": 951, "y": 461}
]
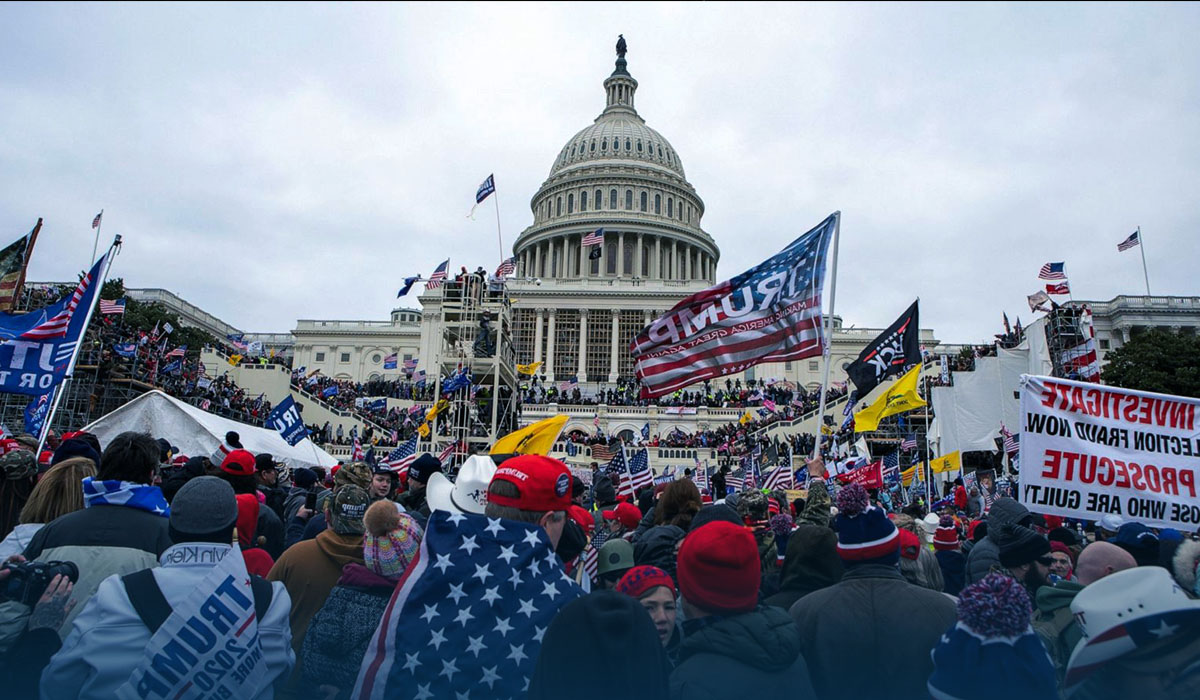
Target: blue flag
[
  {"x": 408, "y": 283},
  {"x": 36, "y": 360},
  {"x": 125, "y": 349},
  {"x": 329, "y": 391},
  {"x": 646, "y": 431},
  {"x": 389, "y": 362},
  {"x": 35, "y": 414},
  {"x": 286, "y": 419},
  {"x": 377, "y": 404},
  {"x": 173, "y": 367}
]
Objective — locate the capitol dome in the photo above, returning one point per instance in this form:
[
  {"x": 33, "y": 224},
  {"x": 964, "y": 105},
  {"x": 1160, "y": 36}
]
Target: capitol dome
[{"x": 623, "y": 178}]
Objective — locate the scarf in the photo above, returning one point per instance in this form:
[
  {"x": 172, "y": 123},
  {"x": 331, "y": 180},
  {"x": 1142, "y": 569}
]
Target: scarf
[{"x": 124, "y": 493}]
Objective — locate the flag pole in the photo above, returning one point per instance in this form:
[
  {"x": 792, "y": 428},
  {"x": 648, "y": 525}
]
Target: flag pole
[
  {"x": 499, "y": 238},
  {"x": 826, "y": 351},
  {"x": 116, "y": 245},
  {"x": 96, "y": 242},
  {"x": 1142, "y": 247},
  {"x": 928, "y": 454}
]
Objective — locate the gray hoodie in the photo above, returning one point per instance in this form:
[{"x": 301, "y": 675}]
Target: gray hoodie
[{"x": 986, "y": 553}]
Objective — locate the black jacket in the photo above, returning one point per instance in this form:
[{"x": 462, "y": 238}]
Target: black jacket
[
  {"x": 871, "y": 635},
  {"x": 985, "y": 555},
  {"x": 810, "y": 564},
  {"x": 751, "y": 655}
]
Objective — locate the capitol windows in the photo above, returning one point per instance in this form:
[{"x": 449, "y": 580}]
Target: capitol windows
[
  {"x": 612, "y": 199},
  {"x": 345, "y": 358},
  {"x": 571, "y": 204},
  {"x": 670, "y": 207},
  {"x": 628, "y": 145},
  {"x": 645, "y": 272},
  {"x": 629, "y": 200},
  {"x": 660, "y": 155},
  {"x": 582, "y": 202},
  {"x": 376, "y": 358},
  {"x": 572, "y": 151},
  {"x": 320, "y": 357},
  {"x": 610, "y": 254},
  {"x": 559, "y": 208},
  {"x": 593, "y": 148},
  {"x": 658, "y": 204},
  {"x": 639, "y": 143},
  {"x": 604, "y": 145},
  {"x": 644, "y": 201},
  {"x": 627, "y": 257},
  {"x": 599, "y": 200}
]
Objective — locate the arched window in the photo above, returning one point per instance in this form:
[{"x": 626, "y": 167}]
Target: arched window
[
  {"x": 583, "y": 201},
  {"x": 604, "y": 144},
  {"x": 643, "y": 201},
  {"x": 627, "y": 257},
  {"x": 657, "y": 204},
  {"x": 628, "y": 145},
  {"x": 610, "y": 255},
  {"x": 660, "y": 155},
  {"x": 558, "y": 212},
  {"x": 612, "y": 198},
  {"x": 645, "y": 272},
  {"x": 599, "y": 200},
  {"x": 629, "y": 200},
  {"x": 593, "y": 148},
  {"x": 639, "y": 143},
  {"x": 572, "y": 151},
  {"x": 570, "y": 203},
  {"x": 670, "y": 206}
]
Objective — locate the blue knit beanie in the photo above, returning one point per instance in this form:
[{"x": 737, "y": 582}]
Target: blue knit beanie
[
  {"x": 865, "y": 534},
  {"x": 993, "y": 633}
]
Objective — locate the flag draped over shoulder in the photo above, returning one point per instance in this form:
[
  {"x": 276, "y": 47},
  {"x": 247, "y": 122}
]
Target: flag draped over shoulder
[
  {"x": 900, "y": 397},
  {"x": 467, "y": 618},
  {"x": 769, "y": 313},
  {"x": 536, "y": 439},
  {"x": 897, "y": 347}
]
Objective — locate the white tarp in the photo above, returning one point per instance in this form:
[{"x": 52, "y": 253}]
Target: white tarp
[
  {"x": 197, "y": 433},
  {"x": 969, "y": 413}
]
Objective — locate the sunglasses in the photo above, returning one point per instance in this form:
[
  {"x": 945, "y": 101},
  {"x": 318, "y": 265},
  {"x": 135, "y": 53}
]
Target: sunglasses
[{"x": 1045, "y": 561}]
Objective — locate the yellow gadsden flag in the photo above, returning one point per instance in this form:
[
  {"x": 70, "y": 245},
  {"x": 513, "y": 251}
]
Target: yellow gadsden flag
[
  {"x": 946, "y": 463},
  {"x": 423, "y": 430},
  {"x": 530, "y": 369},
  {"x": 234, "y": 359},
  {"x": 436, "y": 409},
  {"x": 536, "y": 439},
  {"x": 747, "y": 417},
  {"x": 900, "y": 397}
]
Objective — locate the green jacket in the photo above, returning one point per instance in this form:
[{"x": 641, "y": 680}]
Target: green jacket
[{"x": 1054, "y": 623}]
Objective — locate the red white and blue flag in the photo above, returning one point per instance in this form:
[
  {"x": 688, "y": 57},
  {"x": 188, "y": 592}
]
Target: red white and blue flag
[
  {"x": 468, "y": 616},
  {"x": 401, "y": 458},
  {"x": 438, "y": 276},
  {"x": 770, "y": 313},
  {"x": 639, "y": 476},
  {"x": 781, "y": 478},
  {"x": 1133, "y": 240},
  {"x": 507, "y": 267},
  {"x": 594, "y": 238},
  {"x": 357, "y": 454},
  {"x": 96, "y": 221},
  {"x": 108, "y": 308},
  {"x": 1053, "y": 271},
  {"x": 1059, "y": 288}
]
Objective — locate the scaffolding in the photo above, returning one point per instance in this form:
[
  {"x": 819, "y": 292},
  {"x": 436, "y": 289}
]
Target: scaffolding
[
  {"x": 475, "y": 337},
  {"x": 1065, "y": 332}
]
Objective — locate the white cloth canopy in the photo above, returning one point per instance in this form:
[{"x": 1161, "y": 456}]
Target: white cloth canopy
[
  {"x": 198, "y": 433},
  {"x": 969, "y": 414}
]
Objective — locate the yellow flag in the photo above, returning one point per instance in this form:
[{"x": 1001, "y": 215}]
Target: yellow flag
[
  {"x": 906, "y": 476},
  {"x": 530, "y": 369},
  {"x": 826, "y": 430},
  {"x": 436, "y": 409},
  {"x": 234, "y": 359},
  {"x": 536, "y": 439},
  {"x": 746, "y": 418},
  {"x": 946, "y": 463},
  {"x": 423, "y": 430},
  {"x": 900, "y": 397}
]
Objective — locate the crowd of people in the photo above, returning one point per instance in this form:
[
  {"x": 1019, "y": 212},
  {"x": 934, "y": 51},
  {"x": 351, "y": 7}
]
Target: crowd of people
[{"x": 133, "y": 570}]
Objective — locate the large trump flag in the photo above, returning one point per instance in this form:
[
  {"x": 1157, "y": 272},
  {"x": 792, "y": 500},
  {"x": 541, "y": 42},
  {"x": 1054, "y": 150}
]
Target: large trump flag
[{"x": 769, "y": 313}]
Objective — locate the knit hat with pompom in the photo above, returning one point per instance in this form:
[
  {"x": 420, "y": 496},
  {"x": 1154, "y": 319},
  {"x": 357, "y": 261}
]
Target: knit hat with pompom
[
  {"x": 946, "y": 536},
  {"x": 992, "y": 631},
  {"x": 391, "y": 539},
  {"x": 865, "y": 534}
]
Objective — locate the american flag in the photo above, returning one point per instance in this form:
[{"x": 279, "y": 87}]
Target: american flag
[
  {"x": 594, "y": 238},
  {"x": 177, "y": 352},
  {"x": 891, "y": 467},
  {"x": 603, "y": 453},
  {"x": 112, "y": 307},
  {"x": 697, "y": 340},
  {"x": 1060, "y": 288},
  {"x": 737, "y": 483},
  {"x": 410, "y": 365},
  {"x": 357, "y": 454},
  {"x": 448, "y": 453},
  {"x": 570, "y": 383},
  {"x": 507, "y": 267},
  {"x": 1133, "y": 240},
  {"x": 401, "y": 458},
  {"x": 56, "y": 327},
  {"x": 769, "y": 405},
  {"x": 1052, "y": 271},
  {"x": 1012, "y": 443},
  {"x": 204, "y": 404},
  {"x": 909, "y": 443},
  {"x": 781, "y": 478},
  {"x": 470, "y": 612},
  {"x": 96, "y": 221},
  {"x": 639, "y": 472},
  {"x": 438, "y": 276}
]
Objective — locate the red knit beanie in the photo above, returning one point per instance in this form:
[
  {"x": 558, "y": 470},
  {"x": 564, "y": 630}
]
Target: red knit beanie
[
  {"x": 910, "y": 544},
  {"x": 945, "y": 538},
  {"x": 718, "y": 568}
]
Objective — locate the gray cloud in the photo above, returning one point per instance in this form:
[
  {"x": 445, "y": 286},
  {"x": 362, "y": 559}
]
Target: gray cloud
[{"x": 274, "y": 162}]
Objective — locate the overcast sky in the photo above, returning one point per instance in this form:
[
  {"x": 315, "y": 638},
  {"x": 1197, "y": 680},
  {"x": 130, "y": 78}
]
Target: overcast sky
[{"x": 275, "y": 162}]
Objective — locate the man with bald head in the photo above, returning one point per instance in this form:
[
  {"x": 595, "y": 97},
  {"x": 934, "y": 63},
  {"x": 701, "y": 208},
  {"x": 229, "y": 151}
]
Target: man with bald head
[{"x": 1053, "y": 620}]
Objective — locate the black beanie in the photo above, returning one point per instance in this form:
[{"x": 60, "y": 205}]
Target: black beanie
[
  {"x": 424, "y": 467},
  {"x": 1020, "y": 545},
  {"x": 304, "y": 478},
  {"x": 601, "y": 625},
  {"x": 712, "y": 513},
  {"x": 264, "y": 462},
  {"x": 75, "y": 448}
]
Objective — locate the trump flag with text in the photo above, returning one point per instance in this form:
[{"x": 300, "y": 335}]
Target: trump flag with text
[
  {"x": 769, "y": 313},
  {"x": 1088, "y": 451}
]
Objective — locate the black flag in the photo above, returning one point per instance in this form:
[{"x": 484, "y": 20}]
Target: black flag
[
  {"x": 895, "y": 349},
  {"x": 595, "y": 254}
]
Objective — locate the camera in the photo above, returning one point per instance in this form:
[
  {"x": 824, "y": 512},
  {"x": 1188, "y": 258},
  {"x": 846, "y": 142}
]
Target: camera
[{"x": 27, "y": 581}]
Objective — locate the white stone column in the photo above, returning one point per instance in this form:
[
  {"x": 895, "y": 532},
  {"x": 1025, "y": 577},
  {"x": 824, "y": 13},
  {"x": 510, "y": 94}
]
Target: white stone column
[
  {"x": 674, "y": 260},
  {"x": 687, "y": 263},
  {"x": 583, "y": 260},
  {"x": 621, "y": 254},
  {"x": 637, "y": 256},
  {"x": 537, "y": 335},
  {"x": 583, "y": 341},
  {"x": 550, "y": 347},
  {"x": 656, "y": 271},
  {"x": 612, "y": 362}
]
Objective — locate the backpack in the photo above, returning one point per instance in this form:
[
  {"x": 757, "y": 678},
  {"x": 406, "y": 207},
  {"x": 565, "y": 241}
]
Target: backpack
[{"x": 152, "y": 606}]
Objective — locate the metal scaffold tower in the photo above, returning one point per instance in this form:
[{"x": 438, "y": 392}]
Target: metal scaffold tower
[
  {"x": 1064, "y": 332},
  {"x": 475, "y": 340}
]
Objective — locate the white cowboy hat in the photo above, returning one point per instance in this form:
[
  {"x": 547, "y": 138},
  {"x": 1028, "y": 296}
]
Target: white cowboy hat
[{"x": 468, "y": 493}]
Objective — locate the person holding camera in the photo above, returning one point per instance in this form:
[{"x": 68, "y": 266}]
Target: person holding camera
[
  {"x": 122, "y": 528},
  {"x": 22, "y": 668}
]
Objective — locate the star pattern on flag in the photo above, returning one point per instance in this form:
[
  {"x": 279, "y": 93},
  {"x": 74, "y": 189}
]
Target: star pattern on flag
[{"x": 461, "y": 626}]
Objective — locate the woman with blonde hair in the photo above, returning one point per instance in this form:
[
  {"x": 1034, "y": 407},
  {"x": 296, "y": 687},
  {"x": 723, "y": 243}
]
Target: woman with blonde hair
[{"x": 58, "y": 492}]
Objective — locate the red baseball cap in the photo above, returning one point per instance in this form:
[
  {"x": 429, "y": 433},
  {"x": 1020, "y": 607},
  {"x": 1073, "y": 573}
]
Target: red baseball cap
[
  {"x": 544, "y": 484},
  {"x": 627, "y": 513},
  {"x": 239, "y": 463}
]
